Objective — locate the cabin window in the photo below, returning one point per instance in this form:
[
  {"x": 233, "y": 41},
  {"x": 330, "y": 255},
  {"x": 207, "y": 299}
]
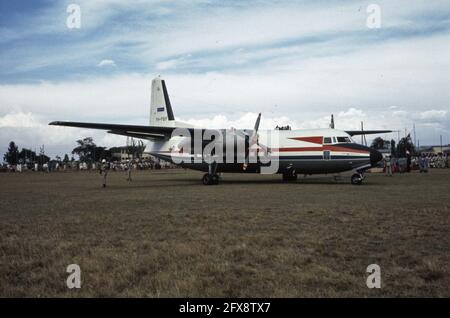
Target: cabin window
[
  {"x": 326, "y": 155},
  {"x": 327, "y": 140},
  {"x": 343, "y": 139},
  {"x": 334, "y": 140}
]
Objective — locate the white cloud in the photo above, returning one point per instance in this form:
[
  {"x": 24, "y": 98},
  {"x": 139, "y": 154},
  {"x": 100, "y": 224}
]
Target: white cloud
[
  {"x": 159, "y": 32},
  {"x": 434, "y": 115},
  {"x": 18, "y": 120},
  {"x": 30, "y": 131},
  {"x": 167, "y": 65},
  {"x": 104, "y": 63}
]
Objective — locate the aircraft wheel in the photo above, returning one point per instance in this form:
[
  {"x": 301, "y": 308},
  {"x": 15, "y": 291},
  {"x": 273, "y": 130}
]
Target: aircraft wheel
[
  {"x": 290, "y": 175},
  {"x": 207, "y": 179},
  {"x": 210, "y": 179},
  {"x": 356, "y": 179}
]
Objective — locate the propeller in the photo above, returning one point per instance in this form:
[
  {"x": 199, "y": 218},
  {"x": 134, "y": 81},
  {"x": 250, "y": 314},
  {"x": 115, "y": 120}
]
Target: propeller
[{"x": 252, "y": 140}]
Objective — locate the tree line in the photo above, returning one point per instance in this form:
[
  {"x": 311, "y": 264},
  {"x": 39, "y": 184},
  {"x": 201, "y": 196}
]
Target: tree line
[
  {"x": 86, "y": 150},
  {"x": 13, "y": 156},
  {"x": 404, "y": 145}
]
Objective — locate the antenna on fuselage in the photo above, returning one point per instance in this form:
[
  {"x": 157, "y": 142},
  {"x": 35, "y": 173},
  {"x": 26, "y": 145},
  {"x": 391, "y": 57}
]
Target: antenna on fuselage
[{"x": 332, "y": 122}]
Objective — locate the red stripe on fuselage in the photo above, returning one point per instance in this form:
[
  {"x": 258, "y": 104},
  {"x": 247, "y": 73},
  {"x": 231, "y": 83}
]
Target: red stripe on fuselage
[
  {"x": 344, "y": 149},
  {"x": 313, "y": 139},
  {"x": 298, "y": 149},
  {"x": 324, "y": 148}
]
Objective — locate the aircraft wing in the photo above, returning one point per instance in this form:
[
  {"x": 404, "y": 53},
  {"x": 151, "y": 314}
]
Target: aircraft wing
[
  {"x": 366, "y": 132},
  {"x": 138, "y": 131}
]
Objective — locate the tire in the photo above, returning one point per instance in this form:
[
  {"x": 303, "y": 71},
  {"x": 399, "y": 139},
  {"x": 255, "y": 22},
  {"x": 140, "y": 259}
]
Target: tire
[
  {"x": 207, "y": 179},
  {"x": 290, "y": 175},
  {"x": 356, "y": 179}
]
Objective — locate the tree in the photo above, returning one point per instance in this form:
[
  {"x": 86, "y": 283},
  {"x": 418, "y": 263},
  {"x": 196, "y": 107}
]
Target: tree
[
  {"x": 377, "y": 143},
  {"x": 88, "y": 151},
  {"x": 12, "y": 155},
  {"x": 105, "y": 154},
  {"x": 405, "y": 144},
  {"x": 66, "y": 158},
  {"x": 27, "y": 156},
  {"x": 42, "y": 158},
  {"x": 393, "y": 151},
  {"x": 85, "y": 149},
  {"x": 380, "y": 143}
]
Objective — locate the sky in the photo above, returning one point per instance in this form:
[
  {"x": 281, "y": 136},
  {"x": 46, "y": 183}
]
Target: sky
[{"x": 296, "y": 62}]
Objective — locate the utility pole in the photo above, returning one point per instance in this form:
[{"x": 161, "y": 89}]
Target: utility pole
[
  {"x": 414, "y": 131},
  {"x": 363, "y": 137},
  {"x": 441, "y": 142}
]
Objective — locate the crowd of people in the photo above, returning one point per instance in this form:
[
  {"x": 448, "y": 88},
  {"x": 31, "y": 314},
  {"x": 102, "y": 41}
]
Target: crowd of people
[
  {"x": 422, "y": 163},
  {"x": 55, "y": 166}
]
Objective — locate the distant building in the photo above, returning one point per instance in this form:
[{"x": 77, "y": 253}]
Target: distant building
[
  {"x": 121, "y": 154},
  {"x": 435, "y": 149}
]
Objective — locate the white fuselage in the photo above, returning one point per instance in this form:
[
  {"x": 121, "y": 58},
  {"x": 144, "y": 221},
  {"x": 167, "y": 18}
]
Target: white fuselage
[{"x": 308, "y": 151}]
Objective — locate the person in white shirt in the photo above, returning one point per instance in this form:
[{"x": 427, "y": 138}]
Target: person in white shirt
[{"x": 104, "y": 168}]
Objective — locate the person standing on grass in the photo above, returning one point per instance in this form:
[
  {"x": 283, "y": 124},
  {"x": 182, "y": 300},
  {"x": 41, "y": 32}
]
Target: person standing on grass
[
  {"x": 388, "y": 166},
  {"x": 129, "y": 166},
  {"x": 104, "y": 168},
  {"x": 423, "y": 163},
  {"x": 408, "y": 161}
]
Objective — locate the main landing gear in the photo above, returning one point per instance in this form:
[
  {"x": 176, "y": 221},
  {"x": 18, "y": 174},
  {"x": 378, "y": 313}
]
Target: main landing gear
[
  {"x": 211, "y": 178},
  {"x": 357, "y": 178},
  {"x": 290, "y": 175}
]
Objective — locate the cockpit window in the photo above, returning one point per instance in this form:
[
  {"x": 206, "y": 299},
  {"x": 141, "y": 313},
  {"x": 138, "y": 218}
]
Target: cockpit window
[
  {"x": 327, "y": 140},
  {"x": 343, "y": 139}
]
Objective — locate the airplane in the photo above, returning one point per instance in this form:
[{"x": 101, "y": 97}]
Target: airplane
[{"x": 216, "y": 151}]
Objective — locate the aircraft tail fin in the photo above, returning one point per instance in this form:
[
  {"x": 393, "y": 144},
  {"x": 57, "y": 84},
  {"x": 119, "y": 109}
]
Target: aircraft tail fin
[{"x": 161, "y": 113}]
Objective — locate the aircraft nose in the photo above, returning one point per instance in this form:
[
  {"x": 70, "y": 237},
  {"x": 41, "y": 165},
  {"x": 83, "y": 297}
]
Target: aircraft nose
[{"x": 375, "y": 157}]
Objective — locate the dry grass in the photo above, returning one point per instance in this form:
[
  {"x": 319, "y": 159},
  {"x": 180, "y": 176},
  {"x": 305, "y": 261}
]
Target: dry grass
[{"x": 165, "y": 234}]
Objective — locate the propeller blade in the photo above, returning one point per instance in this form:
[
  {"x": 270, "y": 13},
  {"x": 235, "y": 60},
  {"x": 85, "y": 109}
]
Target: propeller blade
[{"x": 257, "y": 123}]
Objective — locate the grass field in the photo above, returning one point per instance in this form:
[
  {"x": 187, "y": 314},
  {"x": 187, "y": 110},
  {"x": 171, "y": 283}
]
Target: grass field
[{"x": 167, "y": 235}]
